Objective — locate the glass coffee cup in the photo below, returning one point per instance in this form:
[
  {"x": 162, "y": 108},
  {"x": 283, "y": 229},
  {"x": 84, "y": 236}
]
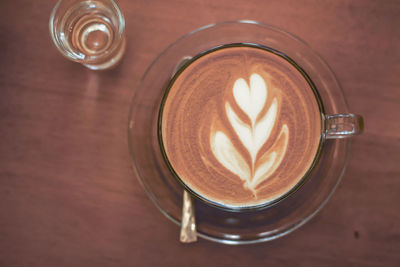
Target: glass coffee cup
[{"x": 256, "y": 223}]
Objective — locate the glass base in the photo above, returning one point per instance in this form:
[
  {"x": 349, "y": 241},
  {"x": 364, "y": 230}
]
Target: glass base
[{"x": 111, "y": 63}]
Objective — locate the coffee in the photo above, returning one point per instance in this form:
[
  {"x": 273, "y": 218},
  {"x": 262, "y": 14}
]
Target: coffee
[{"x": 240, "y": 126}]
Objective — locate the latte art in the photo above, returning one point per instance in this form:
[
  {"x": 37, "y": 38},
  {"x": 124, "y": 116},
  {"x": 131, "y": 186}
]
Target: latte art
[
  {"x": 240, "y": 126},
  {"x": 251, "y": 99}
]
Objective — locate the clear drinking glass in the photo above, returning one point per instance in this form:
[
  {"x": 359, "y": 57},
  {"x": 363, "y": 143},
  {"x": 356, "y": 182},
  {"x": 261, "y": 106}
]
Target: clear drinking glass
[{"x": 89, "y": 32}]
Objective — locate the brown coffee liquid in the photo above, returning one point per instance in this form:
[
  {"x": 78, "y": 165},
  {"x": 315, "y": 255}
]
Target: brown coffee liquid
[{"x": 240, "y": 126}]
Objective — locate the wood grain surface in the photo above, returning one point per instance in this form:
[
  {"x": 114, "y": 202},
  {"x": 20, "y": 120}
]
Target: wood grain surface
[{"x": 68, "y": 196}]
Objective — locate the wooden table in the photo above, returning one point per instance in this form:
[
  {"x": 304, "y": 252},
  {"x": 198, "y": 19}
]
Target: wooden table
[{"x": 68, "y": 196}]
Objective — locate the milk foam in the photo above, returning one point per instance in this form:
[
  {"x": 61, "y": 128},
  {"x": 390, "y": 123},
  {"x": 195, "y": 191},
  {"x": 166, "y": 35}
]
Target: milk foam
[{"x": 251, "y": 99}]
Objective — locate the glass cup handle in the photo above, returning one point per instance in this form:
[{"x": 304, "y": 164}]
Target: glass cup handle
[{"x": 343, "y": 125}]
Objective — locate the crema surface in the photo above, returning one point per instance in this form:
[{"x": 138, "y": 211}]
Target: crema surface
[{"x": 240, "y": 126}]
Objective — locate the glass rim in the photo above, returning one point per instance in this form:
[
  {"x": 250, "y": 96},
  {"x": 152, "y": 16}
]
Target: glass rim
[{"x": 299, "y": 183}]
